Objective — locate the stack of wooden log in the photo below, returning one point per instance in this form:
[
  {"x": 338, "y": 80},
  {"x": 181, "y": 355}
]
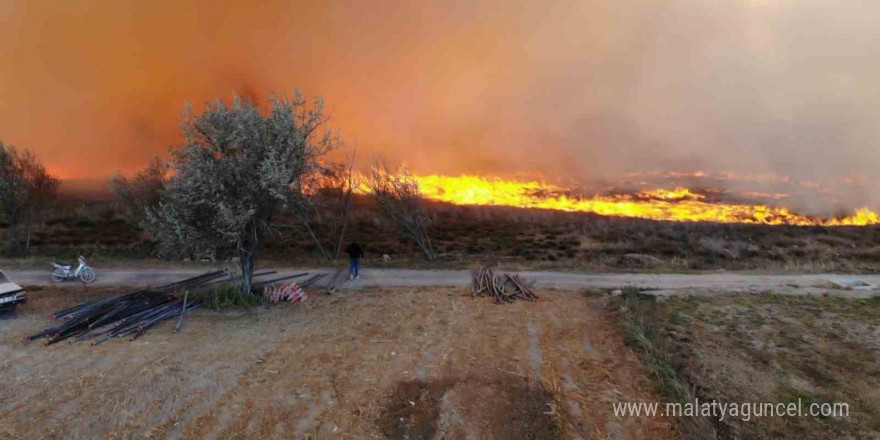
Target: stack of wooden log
[{"x": 503, "y": 287}]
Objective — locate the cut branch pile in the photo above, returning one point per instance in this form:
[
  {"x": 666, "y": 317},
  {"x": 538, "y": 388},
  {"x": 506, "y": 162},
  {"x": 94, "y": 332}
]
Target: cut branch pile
[{"x": 503, "y": 287}]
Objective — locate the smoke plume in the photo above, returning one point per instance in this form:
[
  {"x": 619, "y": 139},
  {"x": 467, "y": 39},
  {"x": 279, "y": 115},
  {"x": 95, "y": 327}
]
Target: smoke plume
[{"x": 568, "y": 89}]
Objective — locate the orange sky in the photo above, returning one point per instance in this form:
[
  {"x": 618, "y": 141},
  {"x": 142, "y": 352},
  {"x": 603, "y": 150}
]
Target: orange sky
[
  {"x": 574, "y": 88},
  {"x": 95, "y": 86}
]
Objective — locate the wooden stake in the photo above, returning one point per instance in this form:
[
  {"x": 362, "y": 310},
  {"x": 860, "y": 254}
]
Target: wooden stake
[{"x": 182, "y": 312}]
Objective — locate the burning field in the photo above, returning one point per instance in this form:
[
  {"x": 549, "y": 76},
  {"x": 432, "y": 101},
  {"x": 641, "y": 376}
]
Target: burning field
[
  {"x": 751, "y": 224},
  {"x": 678, "y": 203}
]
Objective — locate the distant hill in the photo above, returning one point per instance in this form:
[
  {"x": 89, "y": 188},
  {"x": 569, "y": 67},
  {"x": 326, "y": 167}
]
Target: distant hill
[{"x": 91, "y": 188}]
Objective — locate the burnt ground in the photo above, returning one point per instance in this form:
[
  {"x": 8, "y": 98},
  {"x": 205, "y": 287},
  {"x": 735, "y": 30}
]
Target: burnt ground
[{"x": 376, "y": 363}]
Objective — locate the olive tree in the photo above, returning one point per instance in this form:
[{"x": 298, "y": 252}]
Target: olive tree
[
  {"x": 26, "y": 191},
  {"x": 400, "y": 200},
  {"x": 238, "y": 168}
]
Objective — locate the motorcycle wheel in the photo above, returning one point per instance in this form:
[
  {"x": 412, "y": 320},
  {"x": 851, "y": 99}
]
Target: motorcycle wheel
[
  {"x": 58, "y": 276},
  {"x": 87, "y": 275}
]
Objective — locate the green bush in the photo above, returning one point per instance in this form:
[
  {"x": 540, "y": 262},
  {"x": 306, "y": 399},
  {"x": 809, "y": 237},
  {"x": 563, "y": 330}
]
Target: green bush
[{"x": 225, "y": 296}]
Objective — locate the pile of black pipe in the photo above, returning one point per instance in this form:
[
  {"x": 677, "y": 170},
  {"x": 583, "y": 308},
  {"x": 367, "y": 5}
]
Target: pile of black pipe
[{"x": 129, "y": 314}]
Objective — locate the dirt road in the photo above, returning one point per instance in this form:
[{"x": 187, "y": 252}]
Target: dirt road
[{"x": 663, "y": 284}]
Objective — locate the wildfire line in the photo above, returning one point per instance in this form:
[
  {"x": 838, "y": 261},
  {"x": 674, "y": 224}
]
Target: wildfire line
[{"x": 678, "y": 204}]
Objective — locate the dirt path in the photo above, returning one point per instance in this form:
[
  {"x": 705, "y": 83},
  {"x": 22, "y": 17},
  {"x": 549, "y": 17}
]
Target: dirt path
[{"x": 664, "y": 284}]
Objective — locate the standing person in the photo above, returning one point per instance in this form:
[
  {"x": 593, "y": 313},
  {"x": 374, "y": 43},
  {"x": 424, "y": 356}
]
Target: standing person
[{"x": 355, "y": 253}]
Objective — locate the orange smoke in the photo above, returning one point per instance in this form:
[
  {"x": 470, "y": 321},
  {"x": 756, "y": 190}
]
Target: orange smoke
[
  {"x": 679, "y": 204},
  {"x": 570, "y": 89}
]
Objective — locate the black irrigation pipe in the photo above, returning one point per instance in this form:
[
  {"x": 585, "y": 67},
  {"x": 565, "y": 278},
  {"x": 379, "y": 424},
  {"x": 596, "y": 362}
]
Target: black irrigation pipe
[
  {"x": 187, "y": 283},
  {"x": 133, "y": 313},
  {"x": 312, "y": 280},
  {"x": 128, "y": 313},
  {"x": 290, "y": 277}
]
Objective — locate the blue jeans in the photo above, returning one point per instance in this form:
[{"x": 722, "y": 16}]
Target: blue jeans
[{"x": 353, "y": 267}]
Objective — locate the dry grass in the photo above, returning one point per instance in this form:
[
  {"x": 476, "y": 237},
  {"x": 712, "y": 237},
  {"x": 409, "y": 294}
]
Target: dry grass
[
  {"x": 518, "y": 238},
  {"x": 333, "y": 367},
  {"x": 768, "y": 348}
]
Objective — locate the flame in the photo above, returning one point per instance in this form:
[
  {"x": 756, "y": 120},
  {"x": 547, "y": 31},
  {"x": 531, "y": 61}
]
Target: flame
[
  {"x": 678, "y": 204},
  {"x": 863, "y": 216}
]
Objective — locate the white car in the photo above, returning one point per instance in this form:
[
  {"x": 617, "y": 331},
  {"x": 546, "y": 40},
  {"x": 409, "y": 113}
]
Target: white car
[{"x": 11, "y": 294}]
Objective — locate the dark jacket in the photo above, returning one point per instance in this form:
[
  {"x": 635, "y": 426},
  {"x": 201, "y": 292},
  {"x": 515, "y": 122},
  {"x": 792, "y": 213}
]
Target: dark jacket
[{"x": 354, "y": 250}]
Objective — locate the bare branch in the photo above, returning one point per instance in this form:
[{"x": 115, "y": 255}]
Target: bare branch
[{"x": 399, "y": 198}]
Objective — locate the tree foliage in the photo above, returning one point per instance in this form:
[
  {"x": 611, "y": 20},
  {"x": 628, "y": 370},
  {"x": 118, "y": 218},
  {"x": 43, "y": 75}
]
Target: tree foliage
[
  {"x": 238, "y": 168},
  {"x": 142, "y": 192},
  {"x": 26, "y": 191}
]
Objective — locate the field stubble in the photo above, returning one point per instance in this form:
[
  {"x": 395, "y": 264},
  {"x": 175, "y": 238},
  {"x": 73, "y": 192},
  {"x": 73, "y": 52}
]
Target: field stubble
[
  {"x": 516, "y": 238},
  {"x": 375, "y": 363}
]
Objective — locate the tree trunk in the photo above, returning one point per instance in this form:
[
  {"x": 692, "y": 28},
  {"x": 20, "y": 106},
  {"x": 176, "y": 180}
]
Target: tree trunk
[
  {"x": 340, "y": 242},
  {"x": 423, "y": 241},
  {"x": 316, "y": 241},
  {"x": 14, "y": 232},
  {"x": 344, "y": 226},
  {"x": 246, "y": 258},
  {"x": 427, "y": 250},
  {"x": 28, "y": 226}
]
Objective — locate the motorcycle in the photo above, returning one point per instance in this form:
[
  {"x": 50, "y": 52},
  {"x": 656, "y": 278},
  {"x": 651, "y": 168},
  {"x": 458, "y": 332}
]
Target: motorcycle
[{"x": 64, "y": 272}]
